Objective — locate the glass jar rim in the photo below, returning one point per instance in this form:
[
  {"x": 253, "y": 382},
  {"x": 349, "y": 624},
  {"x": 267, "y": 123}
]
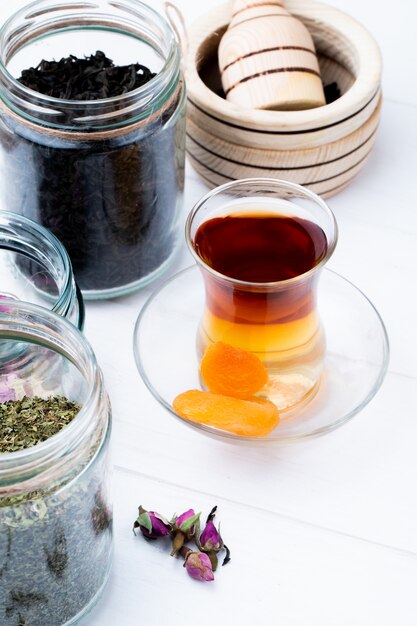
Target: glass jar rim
[
  {"x": 262, "y": 183},
  {"x": 33, "y": 324},
  {"x": 98, "y": 116},
  {"x": 23, "y": 224}
]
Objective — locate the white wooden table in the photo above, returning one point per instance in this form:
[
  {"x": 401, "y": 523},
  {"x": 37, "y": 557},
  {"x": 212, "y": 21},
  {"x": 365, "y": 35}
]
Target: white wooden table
[{"x": 322, "y": 533}]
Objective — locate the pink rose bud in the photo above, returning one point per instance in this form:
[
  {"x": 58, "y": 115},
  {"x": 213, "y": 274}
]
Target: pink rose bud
[
  {"x": 211, "y": 542},
  {"x": 151, "y": 524},
  {"x": 186, "y": 522},
  {"x": 198, "y": 565},
  {"x": 210, "y": 539},
  {"x": 184, "y": 527}
]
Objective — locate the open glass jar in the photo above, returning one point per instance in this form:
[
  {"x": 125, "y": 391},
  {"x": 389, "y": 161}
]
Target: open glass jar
[
  {"x": 105, "y": 176},
  {"x": 55, "y": 514},
  {"x": 35, "y": 267}
]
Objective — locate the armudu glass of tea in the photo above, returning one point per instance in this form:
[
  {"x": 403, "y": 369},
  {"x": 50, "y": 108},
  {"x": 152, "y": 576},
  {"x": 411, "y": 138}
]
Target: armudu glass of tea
[{"x": 261, "y": 245}]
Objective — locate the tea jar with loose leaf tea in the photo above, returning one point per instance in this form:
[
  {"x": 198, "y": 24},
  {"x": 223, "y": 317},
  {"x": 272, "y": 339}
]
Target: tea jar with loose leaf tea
[
  {"x": 92, "y": 135},
  {"x": 55, "y": 508}
]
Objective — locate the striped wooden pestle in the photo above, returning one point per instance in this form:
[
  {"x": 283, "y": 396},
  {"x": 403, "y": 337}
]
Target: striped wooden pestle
[{"x": 267, "y": 59}]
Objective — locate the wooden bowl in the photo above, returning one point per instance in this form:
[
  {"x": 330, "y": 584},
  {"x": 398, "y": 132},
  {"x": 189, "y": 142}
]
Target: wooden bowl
[{"x": 321, "y": 148}]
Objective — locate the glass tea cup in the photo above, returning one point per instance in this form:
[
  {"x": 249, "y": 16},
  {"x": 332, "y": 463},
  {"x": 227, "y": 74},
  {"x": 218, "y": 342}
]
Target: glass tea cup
[{"x": 261, "y": 245}]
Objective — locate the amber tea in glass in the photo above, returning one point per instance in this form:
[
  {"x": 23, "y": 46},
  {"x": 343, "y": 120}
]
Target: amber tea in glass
[{"x": 260, "y": 244}]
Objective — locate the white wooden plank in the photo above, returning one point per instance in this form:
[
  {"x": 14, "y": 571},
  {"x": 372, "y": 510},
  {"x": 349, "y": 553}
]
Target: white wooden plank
[
  {"x": 338, "y": 515},
  {"x": 282, "y": 572},
  {"x": 357, "y": 480}
]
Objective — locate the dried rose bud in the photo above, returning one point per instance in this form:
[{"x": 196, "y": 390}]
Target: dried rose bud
[
  {"x": 151, "y": 524},
  {"x": 186, "y": 522},
  {"x": 211, "y": 542},
  {"x": 210, "y": 539},
  {"x": 198, "y": 565},
  {"x": 184, "y": 527}
]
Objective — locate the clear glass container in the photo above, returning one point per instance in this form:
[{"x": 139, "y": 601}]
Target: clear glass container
[
  {"x": 278, "y": 321},
  {"x": 355, "y": 361},
  {"x": 105, "y": 176},
  {"x": 35, "y": 267},
  {"x": 55, "y": 512}
]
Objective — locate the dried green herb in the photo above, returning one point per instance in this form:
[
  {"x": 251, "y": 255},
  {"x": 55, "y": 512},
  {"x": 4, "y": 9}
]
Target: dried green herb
[
  {"x": 5, "y": 566},
  {"x": 29, "y": 421},
  {"x": 25, "y": 600},
  {"x": 22, "y": 621},
  {"x": 53, "y": 560},
  {"x": 57, "y": 558},
  {"x": 55, "y": 549}
]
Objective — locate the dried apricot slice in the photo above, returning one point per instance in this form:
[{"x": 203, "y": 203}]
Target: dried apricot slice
[
  {"x": 232, "y": 371},
  {"x": 255, "y": 417}
]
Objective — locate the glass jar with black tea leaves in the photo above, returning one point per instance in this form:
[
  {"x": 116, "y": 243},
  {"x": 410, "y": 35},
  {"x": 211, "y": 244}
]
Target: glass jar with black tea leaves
[
  {"x": 55, "y": 509},
  {"x": 103, "y": 172}
]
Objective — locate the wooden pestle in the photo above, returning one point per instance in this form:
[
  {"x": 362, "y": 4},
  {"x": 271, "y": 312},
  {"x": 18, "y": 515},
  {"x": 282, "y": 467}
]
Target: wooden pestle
[{"x": 267, "y": 59}]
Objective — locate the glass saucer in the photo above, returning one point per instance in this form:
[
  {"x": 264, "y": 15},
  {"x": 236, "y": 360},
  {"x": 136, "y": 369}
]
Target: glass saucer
[{"x": 355, "y": 364}]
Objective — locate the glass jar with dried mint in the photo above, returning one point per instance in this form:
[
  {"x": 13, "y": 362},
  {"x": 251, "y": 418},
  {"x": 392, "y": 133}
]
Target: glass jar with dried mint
[
  {"x": 35, "y": 267},
  {"x": 55, "y": 511},
  {"x": 100, "y": 162}
]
